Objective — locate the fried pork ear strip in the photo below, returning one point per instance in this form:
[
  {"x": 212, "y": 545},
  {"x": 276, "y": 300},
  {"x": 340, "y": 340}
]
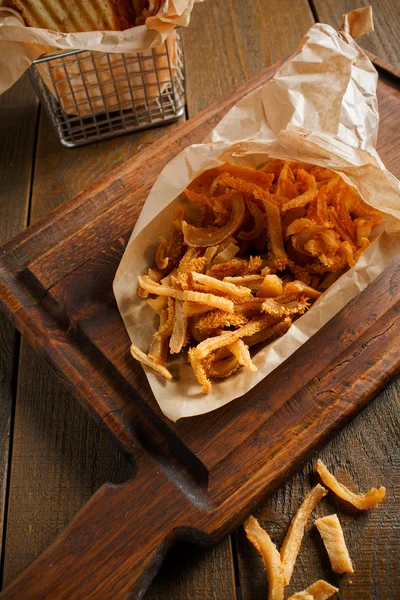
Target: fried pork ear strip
[
  {"x": 320, "y": 590},
  {"x": 360, "y": 501},
  {"x": 147, "y": 360},
  {"x": 161, "y": 259},
  {"x": 216, "y": 284},
  {"x": 308, "y": 196},
  {"x": 332, "y": 535},
  {"x": 200, "y": 297},
  {"x": 198, "y": 237},
  {"x": 212, "y": 344},
  {"x": 291, "y": 544},
  {"x": 179, "y": 332},
  {"x": 242, "y": 354},
  {"x": 298, "y": 287},
  {"x": 270, "y": 555},
  {"x": 272, "y": 307},
  {"x": 259, "y": 223},
  {"x": 266, "y": 334}
]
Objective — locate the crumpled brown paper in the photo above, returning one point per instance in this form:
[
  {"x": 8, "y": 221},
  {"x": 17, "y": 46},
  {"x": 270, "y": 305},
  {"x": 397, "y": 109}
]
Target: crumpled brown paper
[
  {"x": 21, "y": 45},
  {"x": 321, "y": 108}
]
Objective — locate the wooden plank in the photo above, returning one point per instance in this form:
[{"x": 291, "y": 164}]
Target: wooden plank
[
  {"x": 384, "y": 41},
  {"x": 66, "y": 465},
  {"x": 363, "y": 455},
  {"x": 70, "y": 456},
  {"x": 229, "y": 42},
  {"x": 270, "y": 471},
  {"x": 18, "y": 112}
]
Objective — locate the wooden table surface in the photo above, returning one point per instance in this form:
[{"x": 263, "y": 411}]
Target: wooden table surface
[{"x": 53, "y": 457}]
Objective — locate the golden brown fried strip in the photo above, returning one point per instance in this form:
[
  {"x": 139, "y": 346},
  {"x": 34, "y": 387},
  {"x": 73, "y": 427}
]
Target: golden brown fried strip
[
  {"x": 166, "y": 328},
  {"x": 199, "y": 370},
  {"x": 226, "y": 254},
  {"x": 216, "y": 284},
  {"x": 361, "y": 501},
  {"x": 179, "y": 332},
  {"x": 157, "y": 304},
  {"x": 308, "y": 196},
  {"x": 320, "y": 590},
  {"x": 159, "y": 345},
  {"x": 210, "y": 299},
  {"x": 153, "y": 275},
  {"x": 277, "y": 309},
  {"x": 196, "y": 237},
  {"x": 332, "y": 535},
  {"x": 218, "y": 319},
  {"x": 146, "y": 360},
  {"x": 271, "y": 287},
  {"x": 270, "y": 555},
  {"x": 298, "y": 287},
  {"x": 161, "y": 259},
  {"x": 222, "y": 368},
  {"x": 291, "y": 544},
  {"x": 260, "y": 223},
  {"x": 233, "y": 267},
  {"x": 194, "y": 308},
  {"x": 273, "y": 331},
  {"x": 200, "y": 297},
  {"x": 214, "y": 343},
  {"x": 242, "y": 354}
]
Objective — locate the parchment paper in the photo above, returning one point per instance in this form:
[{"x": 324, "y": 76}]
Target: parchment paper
[
  {"x": 321, "y": 108},
  {"x": 21, "y": 45}
]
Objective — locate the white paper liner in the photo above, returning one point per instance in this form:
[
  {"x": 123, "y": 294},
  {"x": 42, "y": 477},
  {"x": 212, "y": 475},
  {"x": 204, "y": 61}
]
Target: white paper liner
[{"x": 321, "y": 108}]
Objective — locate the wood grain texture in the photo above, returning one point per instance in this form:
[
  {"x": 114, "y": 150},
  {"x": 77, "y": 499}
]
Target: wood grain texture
[
  {"x": 308, "y": 396},
  {"x": 18, "y": 113},
  {"x": 384, "y": 41},
  {"x": 70, "y": 456},
  {"x": 196, "y": 583},
  {"x": 229, "y": 41},
  {"x": 365, "y": 454}
]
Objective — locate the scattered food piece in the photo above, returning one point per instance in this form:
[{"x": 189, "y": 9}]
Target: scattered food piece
[
  {"x": 270, "y": 555},
  {"x": 320, "y": 590},
  {"x": 332, "y": 535},
  {"x": 291, "y": 544},
  {"x": 360, "y": 501}
]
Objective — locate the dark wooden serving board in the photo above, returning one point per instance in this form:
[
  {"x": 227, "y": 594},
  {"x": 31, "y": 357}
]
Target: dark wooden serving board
[{"x": 196, "y": 479}]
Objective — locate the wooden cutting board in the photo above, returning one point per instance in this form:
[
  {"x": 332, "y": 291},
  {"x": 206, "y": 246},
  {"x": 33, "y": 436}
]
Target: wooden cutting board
[{"x": 196, "y": 479}]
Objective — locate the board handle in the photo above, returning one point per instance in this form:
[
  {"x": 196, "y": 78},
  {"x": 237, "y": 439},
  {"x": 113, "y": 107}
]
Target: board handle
[{"x": 114, "y": 545}]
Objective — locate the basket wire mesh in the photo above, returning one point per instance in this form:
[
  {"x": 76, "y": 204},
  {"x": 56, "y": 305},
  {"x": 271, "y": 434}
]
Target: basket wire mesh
[{"x": 92, "y": 96}]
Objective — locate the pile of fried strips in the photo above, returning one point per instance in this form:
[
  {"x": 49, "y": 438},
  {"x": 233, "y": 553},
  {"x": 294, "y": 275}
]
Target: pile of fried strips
[{"x": 265, "y": 244}]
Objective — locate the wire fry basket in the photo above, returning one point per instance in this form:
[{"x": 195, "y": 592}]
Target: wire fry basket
[{"x": 92, "y": 96}]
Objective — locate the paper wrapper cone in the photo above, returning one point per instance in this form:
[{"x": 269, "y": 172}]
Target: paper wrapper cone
[
  {"x": 320, "y": 108},
  {"x": 21, "y": 45}
]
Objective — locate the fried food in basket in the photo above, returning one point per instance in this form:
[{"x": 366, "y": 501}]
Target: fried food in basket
[
  {"x": 361, "y": 501},
  {"x": 255, "y": 251}
]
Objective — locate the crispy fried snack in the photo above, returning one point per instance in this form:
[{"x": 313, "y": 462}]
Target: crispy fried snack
[
  {"x": 266, "y": 245},
  {"x": 320, "y": 590},
  {"x": 360, "y": 501},
  {"x": 332, "y": 535},
  {"x": 291, "y": 543},
  {"x": 270, "y": 555}
]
